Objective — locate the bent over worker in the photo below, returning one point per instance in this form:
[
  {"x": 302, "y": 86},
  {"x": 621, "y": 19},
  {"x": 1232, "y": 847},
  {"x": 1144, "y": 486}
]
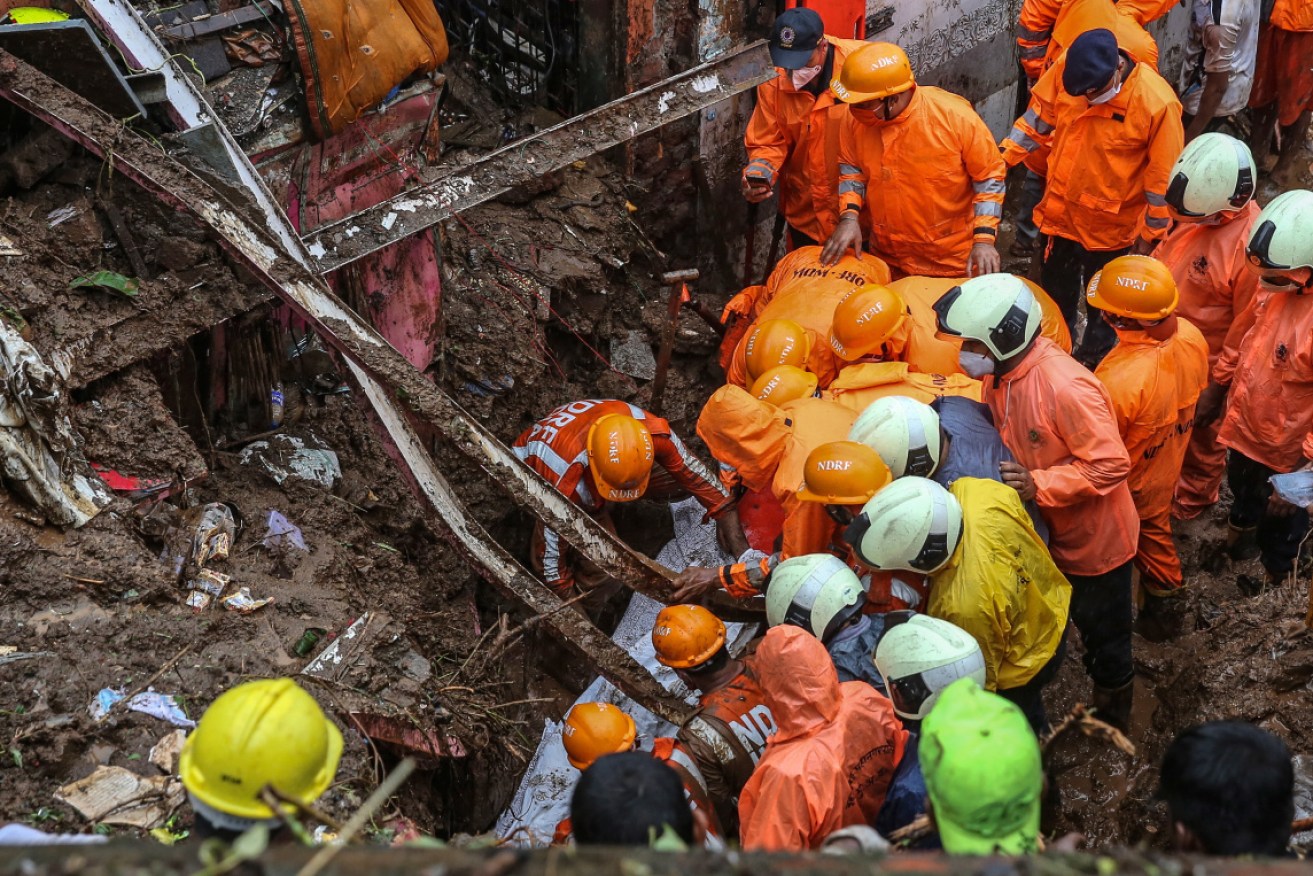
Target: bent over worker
[
  {"x": 1056, "y": 418},
  {"x": 599, "y": 451},
  {"x": 793, "y": 135},
  {"x": 922, "y": 168},
  {"x": 1154, "y": 376},
  {"x": 830, "y": 763},
  {"x": 727, "y": 735}
]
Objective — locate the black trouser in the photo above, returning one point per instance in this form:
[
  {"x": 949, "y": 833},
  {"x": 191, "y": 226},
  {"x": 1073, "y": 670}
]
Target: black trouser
[
  {"x": 1030, "y": 695},
  {"x": 1278, "y": 537},
  {"x": 1066, "y": 272},
  {"x": 1101, "y": 610}
]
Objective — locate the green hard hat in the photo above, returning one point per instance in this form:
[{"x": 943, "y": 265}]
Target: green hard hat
[{"x": 982, "y": 767}]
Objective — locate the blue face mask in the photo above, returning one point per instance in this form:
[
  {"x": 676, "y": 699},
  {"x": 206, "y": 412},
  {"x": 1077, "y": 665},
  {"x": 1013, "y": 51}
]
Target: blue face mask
[{"x": 976, "y": 365}]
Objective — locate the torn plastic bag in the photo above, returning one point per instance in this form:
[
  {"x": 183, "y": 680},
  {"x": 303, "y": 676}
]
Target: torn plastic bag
[{"x": 42, "y": 453}]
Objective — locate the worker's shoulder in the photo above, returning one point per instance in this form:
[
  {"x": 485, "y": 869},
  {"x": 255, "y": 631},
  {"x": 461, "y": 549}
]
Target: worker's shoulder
[
  {"x": 948, "y": 103},
  {"x": 1154, "y": 93},
  {"x": 843, "y": 48}
]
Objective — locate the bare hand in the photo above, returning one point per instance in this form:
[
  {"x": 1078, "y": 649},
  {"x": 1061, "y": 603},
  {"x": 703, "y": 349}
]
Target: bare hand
[
  {"x": 693, "y": 583},
  {"x": 984, "y": 259},
  {"x": 1209, "y": 406},
  {"x": 848, "y": 235},
  {"x": 1142, "y": 246},
  {"x": 729, "y": 533},
  {"x": 1279, "y": 507},
  {"x": 1018, "y": 478},
  {"x": 755, "y": 189}
]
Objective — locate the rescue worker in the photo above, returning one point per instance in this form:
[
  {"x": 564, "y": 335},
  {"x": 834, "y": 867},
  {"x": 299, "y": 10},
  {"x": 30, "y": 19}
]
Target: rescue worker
[
  {"x": 1211, "y": 197},
  {"x": 990, "y": 575},
  {"x": 1218, "y": 74},
  {"x": 830, "y": 762},
  {"x": 874, "y": 324},
  {"x": 1265, "y": 380},
  {"x": 793, "y": 135},
  {"x": 1115, "y": 129},
  {"x": 917, "y": 658},
  {"x": 761, "y": 449},
  {"x": 860, "y": 384},
  {"x": 804, "y": 292},
  {"x": 920, "y": 165},
  {"x": 983, "y": 772},
  {"x": 267, "y": 732},
  {"x": 783, "y": 384},
  {"x": 630, "y": 799},
  {"x": 601, "y": 451},
  {"x": 727, "y": 735},
  {"x": 1154, "y": 377},
  {"x": 1283, "y": 83},
  {"x": 1056, "y": 418},
  {"x": 928, "y": 290},
  {"x": 820, "y": 594},
  {"x": 594, "y": 730}
]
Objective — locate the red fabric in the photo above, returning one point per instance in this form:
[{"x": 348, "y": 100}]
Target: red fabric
[
  {"x": 1283, "y": 72},
  {"x": 762, "y": 519}
]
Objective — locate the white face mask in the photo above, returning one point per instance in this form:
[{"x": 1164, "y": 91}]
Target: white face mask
[
  {"x": 803, "y": 75},
  {"x": 1106, "y": 96},
  {"x": 976, "y": 365}
]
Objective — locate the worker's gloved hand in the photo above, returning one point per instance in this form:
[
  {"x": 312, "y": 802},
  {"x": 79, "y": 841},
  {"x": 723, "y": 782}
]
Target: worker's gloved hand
[
  {"x": 693, "y": 583},
  {"x": 1018, "y": 478},
  {"x": 1209, "y": 406},
  {"x": 984, "y": 259},
  {"x": 847, "y": 236}
]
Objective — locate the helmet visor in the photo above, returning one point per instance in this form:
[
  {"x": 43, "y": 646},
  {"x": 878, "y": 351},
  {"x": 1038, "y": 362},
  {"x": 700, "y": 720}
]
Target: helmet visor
[{"x": 909, "y": 693}]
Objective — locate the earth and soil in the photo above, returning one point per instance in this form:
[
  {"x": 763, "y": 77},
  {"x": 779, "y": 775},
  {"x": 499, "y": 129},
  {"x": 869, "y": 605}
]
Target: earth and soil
[{"x": 440, "y": 650}]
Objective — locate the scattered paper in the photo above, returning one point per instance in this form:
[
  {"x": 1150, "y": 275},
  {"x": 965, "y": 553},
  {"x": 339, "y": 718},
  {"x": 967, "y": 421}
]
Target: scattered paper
[
  {"x": 113, "y": 795},
  {"x": 164, "y": 754}
]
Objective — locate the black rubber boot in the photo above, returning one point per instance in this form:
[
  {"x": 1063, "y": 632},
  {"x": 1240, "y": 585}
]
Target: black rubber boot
[
  {"x": 1162, "y": 618},
  {"x": 1241, "y": 542},
  {"x": 1113, "y": 705}
]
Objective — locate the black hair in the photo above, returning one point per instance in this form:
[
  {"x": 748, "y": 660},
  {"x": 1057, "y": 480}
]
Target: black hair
[
  {"x": 1232, "y": 785},
  {"x": 717, "y": 662},
  {"x": 629, "y": 799}
]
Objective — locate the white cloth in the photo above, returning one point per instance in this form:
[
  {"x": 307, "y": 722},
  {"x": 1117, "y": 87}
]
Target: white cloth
[{"x": 1236, "y": 54}]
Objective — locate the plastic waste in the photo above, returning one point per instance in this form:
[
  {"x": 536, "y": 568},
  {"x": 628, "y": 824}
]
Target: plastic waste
[
  {"x": 288, "y": 456},
  {"x": 157, "y": 705},
  {"x": 1295, "y": 487},
  {"x": 282, "y": 534}
]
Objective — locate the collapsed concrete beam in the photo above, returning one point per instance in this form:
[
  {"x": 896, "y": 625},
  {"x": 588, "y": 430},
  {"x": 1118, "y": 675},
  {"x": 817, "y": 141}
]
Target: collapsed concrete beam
[
  {"x": 385, "y": 378},
  {"x": 387, "y": 222}
]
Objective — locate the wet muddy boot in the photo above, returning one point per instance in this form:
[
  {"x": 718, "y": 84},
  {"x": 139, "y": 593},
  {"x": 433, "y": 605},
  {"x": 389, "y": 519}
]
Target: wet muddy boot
[
  {"x": 1162, "y": 618},
  {"x": 1113, "y": 705},
  {"x": 1241, "y": 542}
]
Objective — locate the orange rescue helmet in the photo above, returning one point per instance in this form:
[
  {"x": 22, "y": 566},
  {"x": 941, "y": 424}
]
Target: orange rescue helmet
[
  {"x": 1134, "y": 286},
  {"x": 873, "y": 72},
  {"x": 594, "y": 730},
  {"x": 686, "y": 636},
  {"x": 865, "y": 320},
  {"x": 620, "y": 457},
  {"x": 776, "y": 342},
  {"x": 784, "y": 383},
  {"x": 843, "y": 473}
]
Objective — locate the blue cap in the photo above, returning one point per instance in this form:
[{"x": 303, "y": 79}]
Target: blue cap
[
  {"x": 1091, "y": 61},
  {"x": 794, "y": 36}
]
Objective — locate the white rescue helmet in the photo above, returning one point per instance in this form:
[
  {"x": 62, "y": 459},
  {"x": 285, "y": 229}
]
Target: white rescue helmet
[
  {"x": 912, "y": 524},
  {"x": 918, "y": 656},
  {"x": 903, "y": 431},
  {"x": 817, "y": 592},
  {"x": 1282, "y": 237},
  {"x": 998, "y": 310},
  {"x": 1214, "y": 174}
]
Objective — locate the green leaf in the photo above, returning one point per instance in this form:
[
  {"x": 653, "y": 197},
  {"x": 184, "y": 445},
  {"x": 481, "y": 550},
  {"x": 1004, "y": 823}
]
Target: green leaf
[
  {"x": 126, "y": 286},
  {"x": 251, "y": 844},
  {"x": 17, "y": 756},
  {"x": 134, "y": 756}
]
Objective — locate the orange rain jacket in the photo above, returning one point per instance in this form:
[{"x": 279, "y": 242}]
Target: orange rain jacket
[
  {"x": 1108, "y": 165},
  {"x": 830, "y": 762},
  {"x": 556, "y": 448},
  {"x": 929, "y": 183},
  {"x": 928, "y": 290},
  {"x": 1216, "y": 286},
  {"x": 1295, "y": 15},
  {"x": 1269, "y": 412},
  {"x": 862, "y": 383},
  {"x": 1046, "y": 27},
  {"x": 800, "y": 288},
  {"x": 795, "y": 137},
  {"x": 1056, "y": 418},
  {"x": 1154, "y": 386}
]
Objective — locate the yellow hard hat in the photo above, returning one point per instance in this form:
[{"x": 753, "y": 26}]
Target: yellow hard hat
[
  {"x": 686, "y": 636},
  {"x": 865, "y": 320},
  {"x": 1134, "y": 286},
  {"x": 268, "y": 732},
  {"x": 843, "y": 473},
  {"x": 620, "y": 457},
  {"x": 784, "y": 383},
  {"x": 594, "y": 730},
  {"x": 875, "y": 71},
  {"x": 776, "y": 342}
]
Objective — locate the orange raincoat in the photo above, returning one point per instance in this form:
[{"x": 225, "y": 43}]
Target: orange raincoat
[
  {"x": 1108, "y": 165},
  {"x": 1154, "y": 386},
  {"x": 795, "y": 137},
  {"x": 830, "y": 762},
  {"x": 928, "y": 290},
  {"x": 1046, "y": 27},
  {"x": 1056, "y": 418},
  {"x": 1269, "y": 412},
  {"x": 929, "y": 183},
  {"x": 1216, "y": 286},
  {"x": 860, "y": 384}
]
